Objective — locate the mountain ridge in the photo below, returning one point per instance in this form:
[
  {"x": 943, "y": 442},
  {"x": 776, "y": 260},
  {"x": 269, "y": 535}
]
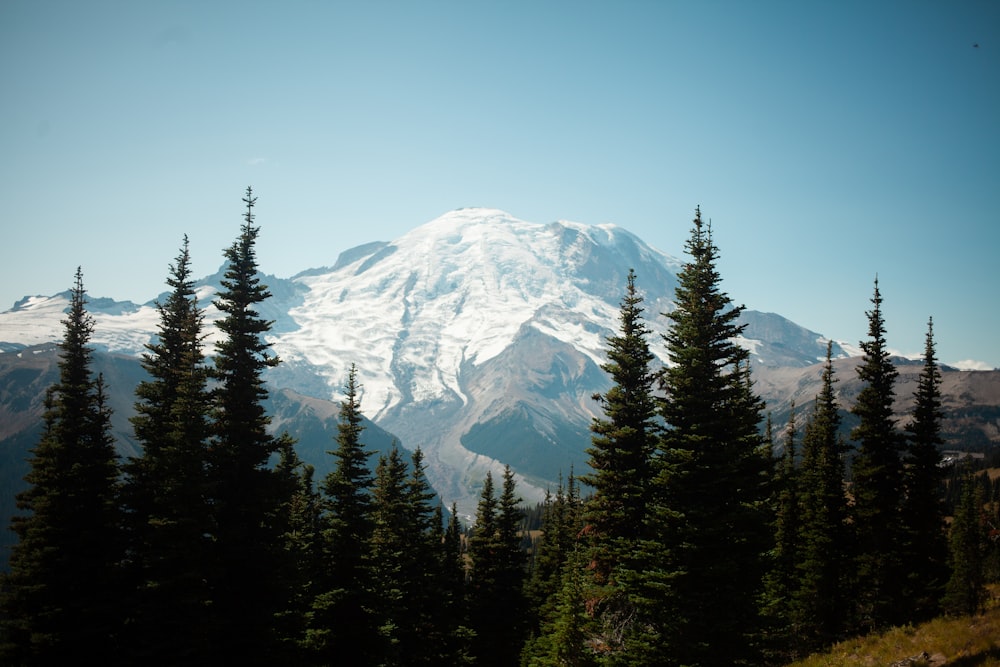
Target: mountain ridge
[{"x": 467, "y": 329}]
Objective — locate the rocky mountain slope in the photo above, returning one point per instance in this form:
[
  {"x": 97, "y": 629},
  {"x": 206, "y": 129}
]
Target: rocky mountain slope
[{"x": 478, "y": 337}]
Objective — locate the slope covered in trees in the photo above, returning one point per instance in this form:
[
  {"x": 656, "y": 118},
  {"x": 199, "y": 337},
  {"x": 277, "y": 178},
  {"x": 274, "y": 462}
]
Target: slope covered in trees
[{"x": 216, "y": 543}]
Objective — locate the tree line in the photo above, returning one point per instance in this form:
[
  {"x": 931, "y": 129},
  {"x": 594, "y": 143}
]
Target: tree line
[{"x": 695, "y": 544}]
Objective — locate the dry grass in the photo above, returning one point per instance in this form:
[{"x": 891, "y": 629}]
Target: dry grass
[{"x": 956, "y": 642}]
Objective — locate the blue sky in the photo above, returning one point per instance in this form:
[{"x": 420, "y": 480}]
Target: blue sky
[{"x": 827, "y": 142}]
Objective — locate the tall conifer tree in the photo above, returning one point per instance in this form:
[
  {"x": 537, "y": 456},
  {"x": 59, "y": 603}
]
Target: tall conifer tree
[
  {"x": 497, "y": 575},
  {"x": 965, "y": 591},
  {"x": 244, "y": 490},
  {"x": 713, "y": 484},
  {"x": 341, "y": 618},
  {"x": 301, "y": 562},
  {"x": 623, "y": 442},
  {"x": 391, "y": 545},
  {"x": 62, "y": 600},
  {"x": 819, "y": 606},
  {"x": 780, "y": 583},
  {"x": 166, "y": 487},
  {"x": 923, "y": 514},
  {"x": 878, "y": 482}
]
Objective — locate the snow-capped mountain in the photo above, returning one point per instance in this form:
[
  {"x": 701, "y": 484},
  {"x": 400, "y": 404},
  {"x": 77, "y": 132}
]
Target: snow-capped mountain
[{"x": 477, "y": 336}]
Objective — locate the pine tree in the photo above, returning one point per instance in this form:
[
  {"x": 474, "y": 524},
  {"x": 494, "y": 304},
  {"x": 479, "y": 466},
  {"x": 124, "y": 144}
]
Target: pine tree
[
  {"x": 623, "y": 441},
  {"x": 458, "y": 645},
  {"x": 570, "y": 628},
  {"x": 244, "y": 490},
  {"x": 166, "y": 487},
  {"x": 62, "y": 600},
  {"x": 560, "y": 525},
  {"x": 341, "y": 619},
  {"x": 301, "y": 562},
  {"x": 496, "y": 607},
  {"x": 780, "y": 583},
  {"x": 819, "y": 605},
  {"x": 434, "y": 630},
  {"x": 878, "y": 483},
  {"x": 713, "y": 483},
  {"x": 391, "y": 542},
  {"x": 965, "y": 591},
  {"x": 926, "y": 547}
]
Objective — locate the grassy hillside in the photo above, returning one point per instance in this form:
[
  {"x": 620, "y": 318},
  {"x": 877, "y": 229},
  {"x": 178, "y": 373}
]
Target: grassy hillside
[{"x": 956, "y": 642}]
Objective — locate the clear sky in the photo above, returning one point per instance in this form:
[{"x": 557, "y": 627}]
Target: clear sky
[{"x": 827, "y": 141}]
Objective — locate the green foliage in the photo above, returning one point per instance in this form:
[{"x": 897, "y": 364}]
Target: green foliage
[
  {"x": 780, "y": 582},
  {"x": 244, "y": 491},
  {"x": 342, "y": 612},
  {"x": 878, "y": 486},
  {"x": 696, "y": 548},
  {"x": 166, "y": 493},
  {"x": 965, "y": 591},
  {"x": 623, "y": 441},
  {"x": 710, "y": 505},
  {"x": 61, "y": 599},
  {"x": 561, "y": 523},
  {"x": 821, "y": 600},
  {"x": 924, "y": 536},
  {"x": 496, "y": 577}
]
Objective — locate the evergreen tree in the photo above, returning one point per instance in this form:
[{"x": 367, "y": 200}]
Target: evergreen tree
[
  {"x": 819, "y": 604},
  {"x": 244, "y": 490},
  {"x": 434, "y": 631},
  {"x": 621, "y": 455},
  {"x": 301, "y": 562},
  {"x": 570, "y": 628},
  {"x": 713, "y": 530},
  {"x": 62, "y": 600},
  {"x": 453, "y": 592},
  {"x": 878, "y": 483},
  {"x": 166, "y": 487},
  {"x": 341, "y": 620},
  {"x": 966, "y": 591},
  {"x": 623, "y": 441},
  {"x": 496, "y": 607},
  {"x": 926, "y": 547},
  {"x": 561, "y": 522},
  {"x": 780, "y": 583},
  {"x": 391, "y": 542}
]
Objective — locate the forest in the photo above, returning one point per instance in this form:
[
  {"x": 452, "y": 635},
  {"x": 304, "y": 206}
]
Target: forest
[{"x": 697, "y": 535}]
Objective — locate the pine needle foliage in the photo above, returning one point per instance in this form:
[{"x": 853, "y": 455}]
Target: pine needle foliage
[
  {"x": 878, "y": 483},
  {"x": 710, "y": 507},
  {"x": 61, "y": 601},
  {"x": 166, "y": 489}
]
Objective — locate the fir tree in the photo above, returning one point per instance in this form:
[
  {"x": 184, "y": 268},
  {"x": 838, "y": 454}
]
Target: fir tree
[
  {"x": 561, "y": 522},
  {"x": 341, "y": 619},
  {"x": 710, "y": 507},
  {"x": 166, "y": 487},
  {"x": 62, "y": 600},
  {"x": 926, "y": 547},
  {"x": 390, "y": 548},
  {"x": 453, "y": 591},
  {"x": 819, "y": 605},
  {"x": 878, "y": 483},
  {"x": 301, "y": 561},
  {"x": 244, "y": 490},
  {"x": 623, "y": 441},
  {"x": 965, "y": 591},
  {"x": 780, "y": 583},
  {"x": 568, "y": 632},
  {"x": 497, "y": 575}
]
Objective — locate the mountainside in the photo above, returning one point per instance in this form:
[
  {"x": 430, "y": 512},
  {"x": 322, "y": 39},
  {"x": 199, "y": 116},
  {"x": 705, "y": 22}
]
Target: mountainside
[
  {"x": 477, "y": 336},
  {"x": 970, "y": 399},
  {"x": 25, "y": 375}
]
